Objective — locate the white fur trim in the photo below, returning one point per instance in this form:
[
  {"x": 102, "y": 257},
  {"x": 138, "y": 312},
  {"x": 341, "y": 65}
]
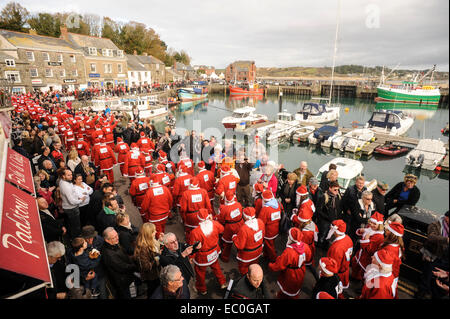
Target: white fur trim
[{"x": 388, "y": 227}]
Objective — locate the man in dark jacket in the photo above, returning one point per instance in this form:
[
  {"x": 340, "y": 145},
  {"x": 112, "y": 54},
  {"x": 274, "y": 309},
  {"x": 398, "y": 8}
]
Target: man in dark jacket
[
  {"x": 173, "y": 285},
  {"x": 127, "y": 233},
  {"x": 332, "y": 210},
  {"x": 19, "y": 149},
  {"x": 243, "y": 192},
  {"x": 175, "y": 253},
  {"x": 316, "y": 195},
  {"x": 96, "y": 203},
  {"x": 38, "y": 143},
  {"x": 52, "y": 228},
  {"x": 251, "y": 285},
  {"x": 378, "y": 198},
  {"x": 350, "y": 199},
  {"x": 107, "y": 215},
  {"x": 119, "y": 267},
  {"x": 84, "y": 167}
]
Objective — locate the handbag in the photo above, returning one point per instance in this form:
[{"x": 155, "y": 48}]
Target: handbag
[{"x": 90, "y": 176}]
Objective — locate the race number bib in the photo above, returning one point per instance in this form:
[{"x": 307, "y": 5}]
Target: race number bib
[
  {"x": 80, "y": 146},
  {"x": 206, "y": 178},
  {"x": 166, "y": 179},
  {"x": 232, "y": 185},
  {"x": 275, "y": 216},
  {"x": 348, "y": 253},
  {"x": 188, "y": 164},
  {"x": 103, "y": 150},
  {"x": 187, "y": 182},
  {"x": 144, "y": 141},
  {"x": 235, "y": 213},
  {"x": 148, "y": 158},
  {"x": 134, "y": 156},
  {"x": 143, "y": 186},
  {"x": 123, "y": 147},
  {"x": 258, "y": 236},
  {"x": 197, "y": 198},
  {"x": 212, "y": 256},
  {"x": 108, "y": 130},
  {"x": 158, "y": 191}
]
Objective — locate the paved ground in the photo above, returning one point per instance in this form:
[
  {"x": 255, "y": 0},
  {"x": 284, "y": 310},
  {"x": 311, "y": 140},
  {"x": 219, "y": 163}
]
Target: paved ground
[{"x": 230, "y": 269}]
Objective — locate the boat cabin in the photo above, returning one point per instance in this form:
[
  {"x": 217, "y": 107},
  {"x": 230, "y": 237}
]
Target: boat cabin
[
  {"x": 100, "y": 104},
  {"x": 285, "y": 117},
  {"x": 348, "y": 169},
  {"x": 243, "y": 112},
  {"x": 386, "y": 119},
  {"x": 311, "y": 108}
]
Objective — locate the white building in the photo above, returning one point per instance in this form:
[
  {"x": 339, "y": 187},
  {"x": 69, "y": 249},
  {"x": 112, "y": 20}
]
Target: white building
[{"x": 138, "y": 74}]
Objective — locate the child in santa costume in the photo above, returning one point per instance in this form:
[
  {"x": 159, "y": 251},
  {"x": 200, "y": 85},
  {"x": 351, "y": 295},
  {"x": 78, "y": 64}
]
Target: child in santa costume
[
  {"x": 258, "y": 188},
  {"x": 328, "y": 282},
  {"x": 249, "y": 240},
  {"x": 291, "y": 265},
  {"x": 378, "y": 278}
]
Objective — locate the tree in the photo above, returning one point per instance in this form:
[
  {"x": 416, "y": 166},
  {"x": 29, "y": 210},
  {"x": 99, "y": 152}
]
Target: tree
[
  {"x": 182, "y": 57},
  {"x": 111, "y": 30},
  {"x": 13, "y": 17},
  {"x": 74, "y": 23},
  {"x": 45, "y": 24},
  {"x": 94, "y": 22}
]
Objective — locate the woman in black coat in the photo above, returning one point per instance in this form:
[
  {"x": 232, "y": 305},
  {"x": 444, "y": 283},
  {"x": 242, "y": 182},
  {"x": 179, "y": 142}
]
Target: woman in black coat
[
  {"x": 127, "y": 233},
  {"x": 404, "y": 193},
  {"x": 288, "y": 194}
]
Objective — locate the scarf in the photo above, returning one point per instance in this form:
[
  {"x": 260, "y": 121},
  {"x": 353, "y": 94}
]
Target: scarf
[
  {"x": 444, "y": 227},
  {"x": 108, "y": 211},
  {"x": 272, "y": 203}
]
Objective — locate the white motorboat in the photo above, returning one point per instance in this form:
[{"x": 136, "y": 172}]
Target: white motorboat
[
  {"x": 427, "y": 155},
  {"x": 147, "y": 105},
  {"x": 283, "y": 127},
  {"x": 301, "y": 133},
  {"x": 312, "y": 112},
  {"x": 328, "y": 143},
  {"x": 348, "y": 169},
  {"x": 354, "y": 139},
  {"x": 99, "y": 105},
  {"x": 322, "y": 134},
  {"x": 389, "y": 122},
  {"x": 244, "y": 117}
]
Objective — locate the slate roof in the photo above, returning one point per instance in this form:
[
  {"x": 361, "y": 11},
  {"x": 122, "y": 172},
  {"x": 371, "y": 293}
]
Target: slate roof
[
  {"x": 87, "y": 41},
  {"x": 134, "y": 64},
  {"x": 148, "y": 59}
]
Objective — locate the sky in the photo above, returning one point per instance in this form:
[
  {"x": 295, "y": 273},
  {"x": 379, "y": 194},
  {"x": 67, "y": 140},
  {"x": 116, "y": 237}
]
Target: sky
[{"x": 284, "y": 33}]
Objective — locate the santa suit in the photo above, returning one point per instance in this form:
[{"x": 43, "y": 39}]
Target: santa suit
[
  {"x": 191, "y": 201},
  {"x": 138, "y": 188},
  {"x": 94, "y": 152},
  {"x": 208, "y": 254},
  {"x": 249, "y": 242},
  {"x": 226, "y": 183},
  {"x": 188, "y": 163},
  {"x": 230, "y": 216},
  {"x": 378, "y": 286},
  {"x": 148, "y": 166},
  {"x": 271, "y": 217},
  {"x": 341, "y": 250},
  {"x": 291, "y": 263},
  {"x": 363, "y": 256},
  {"x": 107, "y": 159},
  {"x": 82, "y": 148},
  {"x": 69, "y": 138},
  {"x": 109, "y": 135},
  {"x": 57, "y": 155},
  {"x": 98, "y": 133},
  {"x": 207, "y": 181},
  {"x": 258, "y": 204},
  {"x": 306, "y": 205},
  {"x": 310, "y": 236},
  {"x": 145, "y": 144},
  {"x": 180, "y": 185},
  {"x": 122, "y": 149},
  {"x": 90, "y": 127},
  {"x": 395, "y": 251},
  {"x": 170, "y": 166},
  {"x": 133, "y": 161},
  {"x": 163, "y": 178},
  {"x": 156, "y": 206}
]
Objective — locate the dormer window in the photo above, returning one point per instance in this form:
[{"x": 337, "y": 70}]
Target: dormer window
[
  {"x": 120, "y": 53},
  {"x": 107, "y": 52},
  {"x": 92, "y": 51},
  {"x": 10, "y": 62}
]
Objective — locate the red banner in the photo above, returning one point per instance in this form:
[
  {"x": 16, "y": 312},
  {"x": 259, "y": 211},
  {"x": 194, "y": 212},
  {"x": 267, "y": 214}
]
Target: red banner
[
  {"x": 22, "y": 246},
  {"x": 18, "y": 171}
]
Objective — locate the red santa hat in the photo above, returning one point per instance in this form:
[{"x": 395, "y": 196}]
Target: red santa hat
[
  {"x": 338, "y": 226},
  {"x": 230, "y": 196},
  {"x": 161, "y": 168},
  {"x": 225, "y": 170},
  {"x": 305, "y": 215},
  {"x": 396, "y": 228},
  {"x": 324, "y": 295},
  {"x": 328, "y": 265},
  {"x": 119, "y": 139},
  {"x": 134, "y": 146},
  {"x": 302, "y": 190},
  {"x": 202, "y": 214},
  {"x": 295, "y": 235},
  {"x": 162, "y": 155},
  {"x": 384, "y": 258},
  {"x": 258, "y": 187},
  {"x": 97, "y": 141},
  {"x": 142, "y": 134},
  {"x": 249, "y": 212},
  {"x": 194, "y": 183},
  {"x": 183, "y": 168},
  {"x": 80, "y": 136},
  {"x": 267, "y": 195},
  {"x": 140, "y": 171},
  {"x": 201, "y": 165},
  {"x": 377, "y": 218}
]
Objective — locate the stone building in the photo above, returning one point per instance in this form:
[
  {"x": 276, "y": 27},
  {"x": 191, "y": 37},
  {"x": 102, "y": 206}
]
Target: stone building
[
  {"x": 242, "y": 71},
  {"x": 187, "y": 71},
  {"x": 156, "y": 67},
  {"x": 138, "y": 74},
  {"x": 105, "y": 63},
  {"x": 16, "y": 70},
  {"x": 42, "y": 62},
  {"x": 172, "y": 75}
]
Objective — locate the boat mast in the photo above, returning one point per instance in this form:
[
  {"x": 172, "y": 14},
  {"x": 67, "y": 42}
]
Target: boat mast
[{"x": 335, "y": 49}]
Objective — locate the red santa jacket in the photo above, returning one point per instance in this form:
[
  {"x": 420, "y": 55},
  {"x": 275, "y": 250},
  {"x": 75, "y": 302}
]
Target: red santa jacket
[
  {"x": 163, "y": 178},
  {"x": 271, "y": 218},
  {"x": 69, "y": 136},
  {"x": 188, "y": 163},
  {"x": 394, "y": 250},
  {"x": 122, "y": 149},
  {"x": 144, "y": 143},
  {"x": 148, "y": 160},
  {"x": 363, "y": 256},
  {"x": 98, "y": 133},
  {"x": 138, "y": 189},
  {"x": 133, "y": 161},
  {"x": 249, "y": 240},
  {"x": 170, "y": 166},
  {"x": 57, "y": 155},
  {"x": 207, "y": 181},
  {"x": 191, "y": 201},
  {"x": 157, "y": 203},
  {"x": 230, "y": 216},
  {"x": 180, "y": 185},
  {"x": 310, "y": 236},
  {"x": 378, "y": 286},
  {"x": 306, "y": 205},
  {"x": 108, "y": 131},
  {"x": 94, "y": 152},
  {"x": 105, "y": 157},
  {"x": 82, "y": 148},
  {"x": 210, "y": 249},
  {"x": 341, "y": 250},
  {"x": 291, "y": 264},
  {"x": 226, "y": 183}
]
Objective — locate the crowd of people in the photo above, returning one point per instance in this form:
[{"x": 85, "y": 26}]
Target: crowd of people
[{"x": 225, "y": 198}]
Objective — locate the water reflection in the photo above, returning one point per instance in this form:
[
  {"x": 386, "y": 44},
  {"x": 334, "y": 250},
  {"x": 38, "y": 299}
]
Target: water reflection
[{"x": 418, "y": 112}]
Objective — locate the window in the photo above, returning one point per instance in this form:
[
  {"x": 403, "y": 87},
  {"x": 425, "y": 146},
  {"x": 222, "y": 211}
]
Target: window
[
  {"x": 10, "y": 62},
  {"x": 92, "y": 51},
  {"x": 30, "y": 56},
  {"x": 45, "y": 56},
  {"x": 119, "y": 68},
  {"x": 48, "y": 73},
  {"x": 60, "y": 58},
  {"x": 132, "y": 74},
  {"x": 157, "y": 66},
  {"x": 13, "y": 76},
  {"x": 107, "y": 52},
  {"x": 34, "y": 73},
  {"x": 120, "y": 53},
  {"x": 108, "y": 68},
  {"x": 62, "y": 73},
  {"x": 93, "y": 67},
  {"x": 75, "y": 72},
  {"x": 73, "y": 59}
]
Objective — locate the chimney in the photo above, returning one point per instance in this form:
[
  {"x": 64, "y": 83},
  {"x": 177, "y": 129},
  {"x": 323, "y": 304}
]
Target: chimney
[
  {"x": 64, "y": 32},
  {"x": 32, "y": 31},
  {"x": 134, "y": 52}
]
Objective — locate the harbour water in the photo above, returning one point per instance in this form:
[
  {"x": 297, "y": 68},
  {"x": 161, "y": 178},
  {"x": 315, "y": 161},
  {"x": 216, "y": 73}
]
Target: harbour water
[{"x": 207, "y": 116}]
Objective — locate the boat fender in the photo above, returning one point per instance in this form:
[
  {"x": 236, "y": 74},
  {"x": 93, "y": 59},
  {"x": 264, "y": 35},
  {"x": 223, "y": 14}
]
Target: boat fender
[
  {"x": 438, "y": 168},
  {"x": 420, "y": 159},
  {"x": 411, "y": 159},
  {"x": 355, "y": 124}
]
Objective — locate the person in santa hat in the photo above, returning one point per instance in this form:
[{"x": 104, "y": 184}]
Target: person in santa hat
[
  {"x": 328, "y": 281},
  {"x": 56, "y": 153},
  {"x": 69, "y": 138},
  {"x": 230, "y": 216},
  {"x": 163, "y": 177},
  {"x": 206, "y": 179},
  {"x": 378, "y": 278},
  {"x": 108, "y": 130},
  {"x": 133, "y": 160},
  {"x": 89, "y": 123},
  {"x": 98, "y": 132},
  {"x": 372, "y": 237},
  {"x": 249, "y": 240},
  {"x": 258, "y": 189},
  {"x": 156, "y": 205},
  {"x": 138, "y": 189},
  {"x": 291, "y": 265},
  {"x": 305, "y": 205},
  {"x": 270, "y": 215},
  {"x": 191, "y": 201},
  {"x": 94, "y": 151},
  {"x": 207, "y": 235},
  {"x": 122, "y": 150},
  {"x": 341, "y": 249},
  {"x": 82, "y": 146},
  {"x": 145, "y": 144},
  {"x": 226, "y": 182},
  {"x": 170, "y": 166},
  {"x": 393, "y": 243},
  {"x": 324, "y": 295},
  {"x": 106, "y": 159},
  {"x": 181, "y": 184},
  {"x": 185, "y": 160}
]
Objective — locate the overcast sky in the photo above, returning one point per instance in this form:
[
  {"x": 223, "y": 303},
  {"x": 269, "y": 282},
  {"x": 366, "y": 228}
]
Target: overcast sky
[{"x": 281, "y": 33}]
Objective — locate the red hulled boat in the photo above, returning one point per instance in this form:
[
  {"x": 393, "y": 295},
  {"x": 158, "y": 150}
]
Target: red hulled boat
[
  {"x": 391, "y": 150},
  {"x": 252, "y": 90}
]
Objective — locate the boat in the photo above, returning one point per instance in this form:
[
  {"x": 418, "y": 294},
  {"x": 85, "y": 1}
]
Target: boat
[
  {"x": 244, "y": 117},
  {"x": 147, "y": 105},
  {"x": 416, "y": 111},
  {"x": 301, "y": 133},
  {"x": 391, "y": 149},
  {"x": 252, "y": 89},
  {"x": 409, "y": 91},
  {"x": 348, "y": 169},
  {"x": 328, "y": 143},
  {"x": 318, "y": 113},
  {"x": 427, "y": 155},
  {"x": 100, "y": 104},
  {"x": 389, "y": 122},
  {"x": 354, "y": 140},
  {"x": 192, "y": 94},
  {"x": 283, "y": 127},
  {"x": 322, "y": 134}
]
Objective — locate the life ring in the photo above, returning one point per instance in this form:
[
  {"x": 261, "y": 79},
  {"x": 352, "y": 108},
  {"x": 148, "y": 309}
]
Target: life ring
[{"x": 355, "y": 124}]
